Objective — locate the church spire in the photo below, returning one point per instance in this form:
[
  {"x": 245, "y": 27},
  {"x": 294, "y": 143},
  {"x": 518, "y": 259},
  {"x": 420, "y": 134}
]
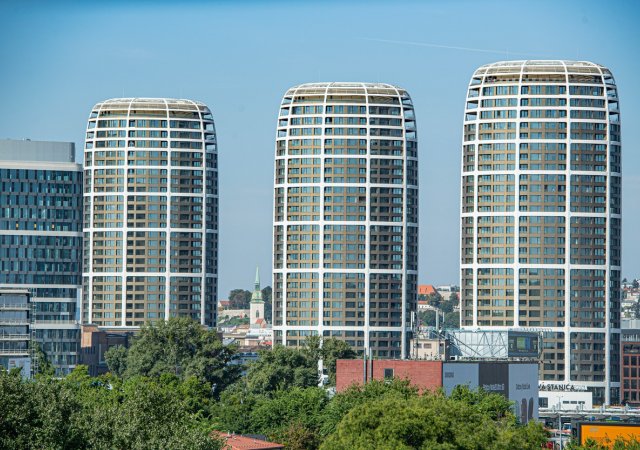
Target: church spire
[
  {"x": 256, "y": 296},
  {"x": 256, "y": 285}
]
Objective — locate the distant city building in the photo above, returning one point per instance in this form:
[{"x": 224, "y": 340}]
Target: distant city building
[
  {"x": 41, "y": 239},
  {"x": 630, "y": 301},
  {"x": 15, "y": 330},
  {"x": 541, "y": 214},
  {"x": 151, "y": 213},
  {"x": 446, "y": 291},
  {"x": 95, "y": 343},
  {"x": 426, "y": 290},
  {"x": 630, "y": 362},
  {"x": 429, "y": 345},
  {"x": 346, "y": 216}
]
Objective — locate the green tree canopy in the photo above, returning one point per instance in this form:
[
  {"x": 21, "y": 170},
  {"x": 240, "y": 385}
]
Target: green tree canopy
[
  {"x": 291, "y": 413},
  {"x": 80, "y": 412},
  {"x": 357, "y": 395},
  {"x": 179, "y": 346},
  {"x": 281, "y": 368},
  {"x": 116, "y": 358},
  {"x": 239, "y": 299},
  {"x": 430, "y": 421}
]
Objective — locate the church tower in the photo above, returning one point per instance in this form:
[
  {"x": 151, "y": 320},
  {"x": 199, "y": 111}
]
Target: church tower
[{"x": 256, "y": 311}]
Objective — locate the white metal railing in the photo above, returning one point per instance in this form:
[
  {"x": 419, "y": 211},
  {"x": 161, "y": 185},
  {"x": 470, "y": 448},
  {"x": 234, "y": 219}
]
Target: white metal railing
[
  {"x": 14, "y": 337},
  {"x": 13, "y": 352}
]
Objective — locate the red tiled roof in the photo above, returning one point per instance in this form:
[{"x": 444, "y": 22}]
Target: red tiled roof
[
  {"x": 238, "y": 442},
  {"x": 426, "y": 289}
]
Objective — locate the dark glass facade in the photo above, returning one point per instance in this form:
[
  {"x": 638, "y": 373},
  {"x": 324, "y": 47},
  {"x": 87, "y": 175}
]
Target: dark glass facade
[{"x": 41, "y": 242}]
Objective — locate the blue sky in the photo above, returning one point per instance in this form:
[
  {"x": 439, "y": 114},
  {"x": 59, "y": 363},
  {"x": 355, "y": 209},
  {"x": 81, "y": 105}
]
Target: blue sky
[{"x": 57, "y": 59}]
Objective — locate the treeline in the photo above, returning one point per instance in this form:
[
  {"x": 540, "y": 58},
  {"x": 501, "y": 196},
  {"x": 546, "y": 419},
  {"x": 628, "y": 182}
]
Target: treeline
[{"x": 177, "y": 383}]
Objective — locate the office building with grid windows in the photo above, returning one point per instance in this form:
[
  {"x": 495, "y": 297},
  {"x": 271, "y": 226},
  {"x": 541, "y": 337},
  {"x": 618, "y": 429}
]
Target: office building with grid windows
[
  {"x": 41, "y": 240},
  {"x": 541, "y": 214},
  {"x": 150, "y": 213},
  {"x": 346, "y": 216}
]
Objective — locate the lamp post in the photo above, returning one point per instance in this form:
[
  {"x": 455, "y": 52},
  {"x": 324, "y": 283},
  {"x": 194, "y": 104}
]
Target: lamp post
[{"x": 560, "y": 422}]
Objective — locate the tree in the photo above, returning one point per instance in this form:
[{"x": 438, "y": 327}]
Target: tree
[
  {"x": 116, "y": 358},
  {"x": 427, "y": 318},
  {"x": 431, "y": 421},
  {"x": 103, "y": 413},
  {"x": 635, "y": 284},
  {"x": 182, "y": 347},
  {"x": 356, "y": 395},
  {"x": 434, "y": 299},
  {"x": 281, "y": 368},
  {"x": 452, "y": 320},
  {"x": 291, "y": 413},
  {"x": 290, "y": 416},
  {"x": 41, "y": 361},
  {"x": 239, "y": 299},
  {"x": 34, "y": 413},
  {"x": 153, "y": 416},
  {"x": 329, "y": 350}
]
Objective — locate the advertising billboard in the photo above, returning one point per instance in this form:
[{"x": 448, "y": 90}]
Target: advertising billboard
[
  {"x": 516, "y": 381},
  {"x": 494, "y": 378},
  {"x": 523, "y": 344},
  {"x": 606, "y": 433},
  {"x": 454, "y": 374},
  {"x": 523, "y": 390}
]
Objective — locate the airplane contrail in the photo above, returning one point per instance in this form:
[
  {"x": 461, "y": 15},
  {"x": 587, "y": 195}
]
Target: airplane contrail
[{"x": 450, "y": 47}]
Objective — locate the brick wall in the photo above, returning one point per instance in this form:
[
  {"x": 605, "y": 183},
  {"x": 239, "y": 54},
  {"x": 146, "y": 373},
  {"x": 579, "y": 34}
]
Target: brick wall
[{"x": 424, "y": 374}]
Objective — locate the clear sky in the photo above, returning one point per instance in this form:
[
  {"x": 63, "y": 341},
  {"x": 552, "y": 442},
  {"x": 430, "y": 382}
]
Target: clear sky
[{"x": 59, "y": 58}]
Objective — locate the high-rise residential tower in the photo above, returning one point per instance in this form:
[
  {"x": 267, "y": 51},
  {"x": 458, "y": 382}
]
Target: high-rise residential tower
[
  {"x": 541, "y": 214},
  {"x": 150, "y": 213},
  {"x": 41, "y": 240},
  {"x": 346, "y": 216}
]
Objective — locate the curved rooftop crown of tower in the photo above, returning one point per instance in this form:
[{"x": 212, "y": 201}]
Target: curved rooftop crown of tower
[
  {"x": 346, "y": 88},
  {"x": 542, "y": 67},
  {"x": 151, "y": 103}
]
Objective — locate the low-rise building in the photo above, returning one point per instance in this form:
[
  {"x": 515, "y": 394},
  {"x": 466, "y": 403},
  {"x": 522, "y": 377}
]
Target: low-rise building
[
  {"x": 630, "y": 362},
  {"x": 426, "y": 290},
  {"x": 246, "y": 442},
  {"x": 95, "y": 342},
  {"x": 515, "y": 380},
  {"x": 564, "y": 397},
  {"x": 15, "y": 330},
  {"x": 429, "y": 345}
]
